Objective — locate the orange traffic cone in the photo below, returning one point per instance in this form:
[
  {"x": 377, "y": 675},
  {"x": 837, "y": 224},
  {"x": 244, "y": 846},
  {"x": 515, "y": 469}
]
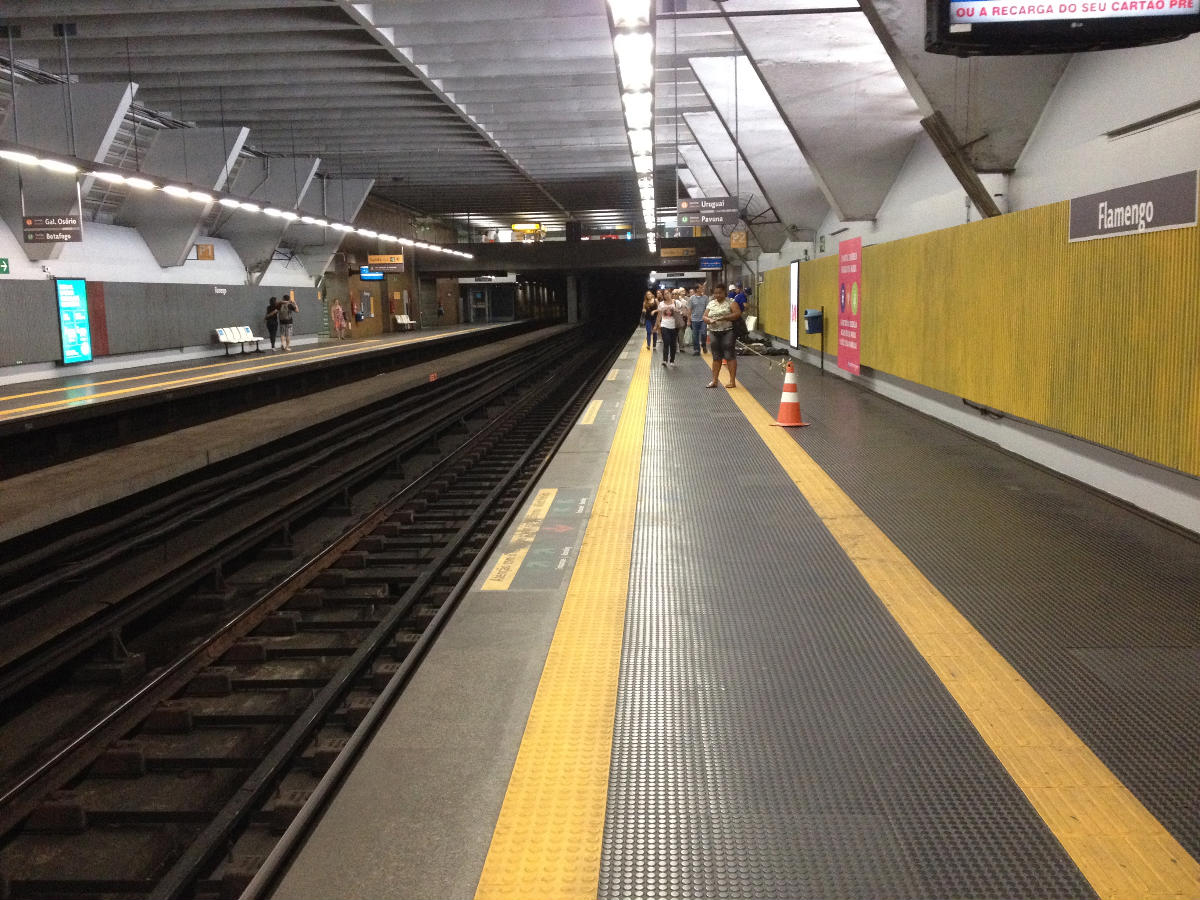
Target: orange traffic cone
[{"x": 789, "y": 403}]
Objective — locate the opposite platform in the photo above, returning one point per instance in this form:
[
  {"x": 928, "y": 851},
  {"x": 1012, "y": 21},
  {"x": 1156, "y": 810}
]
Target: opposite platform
[{"x": 870, "y": 658}]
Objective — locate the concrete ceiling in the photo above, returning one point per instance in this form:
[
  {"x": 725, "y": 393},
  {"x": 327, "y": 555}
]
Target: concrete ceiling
[{"x": 509, "y": 110}]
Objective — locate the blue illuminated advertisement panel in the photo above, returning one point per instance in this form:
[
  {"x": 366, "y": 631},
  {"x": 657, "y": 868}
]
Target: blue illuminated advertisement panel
[
  {"x": 712, "y": 262},
  {"x": 73, "y": 325}
]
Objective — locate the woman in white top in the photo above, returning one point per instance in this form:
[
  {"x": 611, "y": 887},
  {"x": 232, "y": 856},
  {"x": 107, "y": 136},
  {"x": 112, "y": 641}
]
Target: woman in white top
[{"x": 667, "y": 324}]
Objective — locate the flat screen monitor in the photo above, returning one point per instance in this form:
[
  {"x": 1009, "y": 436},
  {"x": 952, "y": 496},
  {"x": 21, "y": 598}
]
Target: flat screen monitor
[
  {"x": 74, "y": 329},
  {"x": 1013, "y": 27},
  {"x": 365, "y": 273}
]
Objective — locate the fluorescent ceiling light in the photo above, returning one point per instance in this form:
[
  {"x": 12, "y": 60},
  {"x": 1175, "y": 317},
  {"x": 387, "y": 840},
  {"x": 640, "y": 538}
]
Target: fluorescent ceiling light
[
  {"x": 142, "y": 184},
  {"x": 200, "y": 196},
  {"x": 630, "y": 13},
  {"x": 25, "y": 159},
  {"x": 289, "y": 215},
  {"x": 307, "y": 220},
  {"x": 367, "y": 232},
  {"x": 635, "y": 58},
  {"x": 229, "y": 201},
  {"x": 642, "y": 142},
  {"x": 250, "y": 207},
  {"x": 643, "y": 164},
  {"x": 639, "y": 108},
  {"x": 407, "y": 242},
  {"x": 272, "y": 212},
  {"x": 321, "y": 222},
  {"x": 55, "y": 166},
  {"x": 110, "y": 177},
  {"x": 175, "y": 190}
]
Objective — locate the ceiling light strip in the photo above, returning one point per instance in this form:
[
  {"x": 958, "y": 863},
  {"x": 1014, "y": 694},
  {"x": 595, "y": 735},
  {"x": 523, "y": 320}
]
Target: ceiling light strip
[
  {"x": 632, "y": 25},
  {"x": 65, "y": 165}
]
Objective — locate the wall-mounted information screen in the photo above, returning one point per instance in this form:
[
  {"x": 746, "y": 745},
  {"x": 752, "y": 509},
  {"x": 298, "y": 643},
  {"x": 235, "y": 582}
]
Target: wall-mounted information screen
[
  {"x": 1011, "y": 27},
  {"x": 73, "y": 326}
]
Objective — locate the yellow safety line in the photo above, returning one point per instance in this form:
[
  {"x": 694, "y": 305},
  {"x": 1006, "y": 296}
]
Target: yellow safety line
[
  {"x": 589, "y": 414},
  {"x": 1122, "y": 850},
  {"x": 219, "y": 365},
  {"x": 548, "y": 838},
  {"x": 87, "y": 398},
  {"x": 509, "y": 563}
]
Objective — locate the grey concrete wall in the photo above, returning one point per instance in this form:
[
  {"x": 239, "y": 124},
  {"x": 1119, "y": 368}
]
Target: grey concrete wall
[
  {"x": 29, "y": 332},
  {"x": 141, "y": 317}
]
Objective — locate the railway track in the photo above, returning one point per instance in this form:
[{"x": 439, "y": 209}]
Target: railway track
[{"x": 179, "y": 783}]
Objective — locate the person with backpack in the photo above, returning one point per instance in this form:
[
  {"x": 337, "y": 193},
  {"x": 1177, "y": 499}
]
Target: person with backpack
[{"x": 287, "y": 306}]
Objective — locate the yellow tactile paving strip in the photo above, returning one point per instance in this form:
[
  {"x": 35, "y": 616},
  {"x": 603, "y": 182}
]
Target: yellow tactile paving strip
[
  {"x": 548, "y": 838},
  {"x": 1122, "y": 850}
]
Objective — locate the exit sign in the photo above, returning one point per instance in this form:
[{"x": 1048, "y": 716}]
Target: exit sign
[{"x": 3, "y": 266}]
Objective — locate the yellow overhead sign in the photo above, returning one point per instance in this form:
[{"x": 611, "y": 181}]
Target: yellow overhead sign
[{"x": 385, "y": 259}]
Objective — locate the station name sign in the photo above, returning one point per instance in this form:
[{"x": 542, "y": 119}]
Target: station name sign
[
  {"x": 1149, "y": 206},
  {"x": 52, "y": 229}
]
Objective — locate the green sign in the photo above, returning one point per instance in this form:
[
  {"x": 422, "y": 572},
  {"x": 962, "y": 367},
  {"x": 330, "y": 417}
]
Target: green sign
[{"x": 3, "y": 266}]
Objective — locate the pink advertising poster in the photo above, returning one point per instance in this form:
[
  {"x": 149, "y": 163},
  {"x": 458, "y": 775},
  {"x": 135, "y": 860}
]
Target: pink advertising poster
[{"x": 849, "y": 302}]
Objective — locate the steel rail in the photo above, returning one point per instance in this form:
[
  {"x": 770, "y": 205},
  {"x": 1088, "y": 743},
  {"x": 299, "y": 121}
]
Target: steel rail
[
  {"x": 18, "y": 799},
  {"x": 175, "y": 885}
]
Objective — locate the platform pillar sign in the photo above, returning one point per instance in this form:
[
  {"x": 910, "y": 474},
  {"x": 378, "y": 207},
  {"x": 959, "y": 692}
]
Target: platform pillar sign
[
  {"x": 849, "y": 303},
  {"x": 74, "y": 328}
]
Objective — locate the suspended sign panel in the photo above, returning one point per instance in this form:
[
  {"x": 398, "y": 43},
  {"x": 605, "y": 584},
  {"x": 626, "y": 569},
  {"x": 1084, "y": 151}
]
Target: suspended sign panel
[
  {"x": 52, "y": 229},
  {"x": 711, "y": 262},
  {"x": 983, "y": 28},
  {"x": 74, "y": 328},
  {"x": 707, "y": 204}
]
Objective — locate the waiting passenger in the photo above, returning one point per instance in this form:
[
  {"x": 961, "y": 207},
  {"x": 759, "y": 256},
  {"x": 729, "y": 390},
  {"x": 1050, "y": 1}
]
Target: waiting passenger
[
  {"x": 697, "y": 303},
  {"x": 719, "y": 315},
  {"x": 649, "y": 311},
  {"x": 272, "y": 320},
  {"x": 338, "y": 317},
  {"x": 287, "y": 306},
  {"x": 666, "y": 323}
]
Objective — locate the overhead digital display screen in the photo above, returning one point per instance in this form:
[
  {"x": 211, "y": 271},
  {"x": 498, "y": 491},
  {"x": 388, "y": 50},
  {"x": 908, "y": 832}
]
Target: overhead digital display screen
[
  {"x": 73, "y": 326},
  {"x": 366, "y": 274},
  {"x": 1001, "y": 27}
]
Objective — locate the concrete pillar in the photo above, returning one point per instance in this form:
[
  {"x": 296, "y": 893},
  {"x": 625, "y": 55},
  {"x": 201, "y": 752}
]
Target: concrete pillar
[
  {"x": 572, "y": 299},
  {"x": 201, "y": 157},
  {"x": 84, "y": 128},
  {"x": 269, "y": 182}
]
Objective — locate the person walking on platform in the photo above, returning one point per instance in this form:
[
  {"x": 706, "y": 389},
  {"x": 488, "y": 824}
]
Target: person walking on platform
[
  {"x": 719, "y": 315},
  {"x": 666, "y": 323},
  {"x": 272, "y": 320},
  {"x": 287, "y": 306},
  {"x": 649, "y": 310},
  {"x": 697, "y": 303},
  {"x": 338, "y": 317}
]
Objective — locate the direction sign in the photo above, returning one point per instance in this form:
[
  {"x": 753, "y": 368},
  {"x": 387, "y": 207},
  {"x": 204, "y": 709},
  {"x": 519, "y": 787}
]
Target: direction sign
[
  {"x": 386, "y": 262},
  {"x": 3, "y": 266},
  {"x": 52, "y": 229},
  {"x": 721, "y": 218},
  {"x": 708, "y": 204}
]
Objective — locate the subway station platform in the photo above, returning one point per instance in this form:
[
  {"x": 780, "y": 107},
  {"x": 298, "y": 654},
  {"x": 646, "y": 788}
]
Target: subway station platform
[
  {"x": 42, "y": 390},
  {"x": 715, "y": 658},
  {"x": 37, "y": 499}
]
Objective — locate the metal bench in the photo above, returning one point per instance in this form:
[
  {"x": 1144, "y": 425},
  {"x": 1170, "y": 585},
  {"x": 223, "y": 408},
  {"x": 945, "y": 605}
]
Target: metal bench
[{"x": 239, "y": 335}]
